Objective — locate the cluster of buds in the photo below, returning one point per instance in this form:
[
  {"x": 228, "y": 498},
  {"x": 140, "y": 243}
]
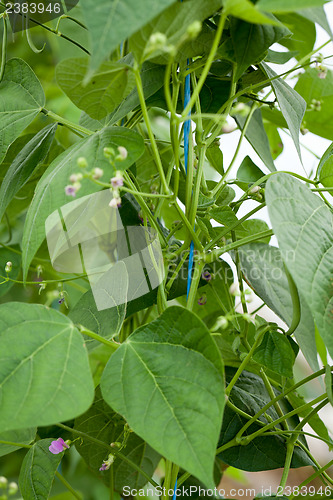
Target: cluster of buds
[
  {"x": 315, "y": 105},
  {"x": 322, "y": 70},
  {"x": 158, "y": 42},
  {"x": 303, "y": 128},
  {"x": 8, "y": 267},
  {"x": 256, "y": 192},
  {"x": 107, "y": 463},
  {"x": 75, "y": 185},
  {"x": 116, "y": 182},
  {"x": 9, "y": 488},
  {"x": 113, "y": 156},
  {"x": 220, "y": 324}
]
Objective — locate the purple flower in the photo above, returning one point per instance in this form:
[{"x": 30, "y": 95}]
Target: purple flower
[
  {"x": 115, "y": 202},
  {"x": 58, "y": 446},
  {"x": 70, "y": 190},
  {"x": 117, "y": 182},
  {"x": 104, "y": 466},
  {"x": 205, "y": 275},
  {"x": 203, "y": 299},
  {"x": 62, "y": 300}
]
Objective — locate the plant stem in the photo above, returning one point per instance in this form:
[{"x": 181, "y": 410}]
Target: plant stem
[
  {"x": 114, "y": 451},
  {"x": 156, "y": 154},
  {"x": 215, "y": 254},
  {"x": 67, "y": 123},
  {"x": 295, "y": 301},
  {"x": 4, "y": 47},
  {"x": 19, "y": 445},
  {"x": 97, "y": 337},
  {"x": 206, "y": 68},
  {"x": 68, "y": 486}
]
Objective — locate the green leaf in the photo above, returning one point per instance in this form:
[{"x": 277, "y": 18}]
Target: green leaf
[
  {"x": 325, "y": 167},
  {"x": 22, "y": 99},
  {"x": 8, "y": 255},
  {"x": 276, "y": 353},
  {"x": 317, "y": 15},
  {"x": 311, "y": 87},
  {"x": 302, "y": 224},
  {"x": 56, "y": 177},
  {"x": 176, "y": 410},
  {"x": 109, "y": 23},
  {"x": 264, "y": 452},
  {"x": 244, "y": 9},
  {"x": 38, "y": 470},
  {"x": 44, "y": 367},
  {"x": 279, "y": 57},
  {"x": 264, "y": 271},
  {"x": 24, "y": 436},
  {"x": 250, "y": 42},
  {"x": 171, "y": 23},
  {"x": 108, "y": 87},
  {"x": 275, "y": 141},
  {"x": 107, "y": 323},
  {"x": 102, "y": 423},
  {"x": 291, "y": 104},
  {"x": 257, "y": 137},
  {"x": 248, "y": 173},
  {"x": 254, "y": 226},
  {"x": 304, "y": 34},
  {"x": 288, "y": 5},
  {"x": 24, "y": 165},
  {"x": 215, "y": 157}
]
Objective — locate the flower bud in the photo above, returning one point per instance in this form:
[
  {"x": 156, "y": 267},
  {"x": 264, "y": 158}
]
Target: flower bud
[
  {"x": 82, "y": 162},
  {"x": 115, "y": 203},
  {"x": 97, "y": 173},
  {"x": 109, "y": 153},
  {"x": 233, "y": 290},
  {"x": 76, "y": 177},
  {"x": 194, "y": 29},
  {"x": 240, "y": 109},
  {"x": 3, "y": 482},
  {"x": 221, "y": 323},
  {"x": 157, "y": 41},
  {"x": 8, "y": 267},
  {"x": 123, "y": 153},
  {"x": 255, "y": 190},
  {"x": 12, "y": 488}
]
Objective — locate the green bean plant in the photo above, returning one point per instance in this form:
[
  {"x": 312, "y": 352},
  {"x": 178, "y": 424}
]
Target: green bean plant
[{"x": 169, "y": 387}]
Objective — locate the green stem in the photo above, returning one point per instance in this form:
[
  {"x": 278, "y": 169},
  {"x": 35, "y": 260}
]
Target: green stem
[
  {"x": 219, "y": 185},
  {"x": 67, "y": 123},
  {"x": 156, "y": 154},
  {"x": 205, "y": 71},
  {"x": 19, "y": 445},
  {"x": 271, "y": 393},
  {"x": 97, "y": 337},
  {"x": 314, "y": 476},
  {"x": 68, "y": 486},
  {"x": 110, "y": 449},
  {"x": 245, "y": 361},
  {"x": 215, "y": 254},
  {"x": 287, "y": 463},
  {"x": 233, "y": 226},
  {"x": 199, "y": 264},
  {"x": 4, "y": 47},
  {"x": 167, "y": 479}
]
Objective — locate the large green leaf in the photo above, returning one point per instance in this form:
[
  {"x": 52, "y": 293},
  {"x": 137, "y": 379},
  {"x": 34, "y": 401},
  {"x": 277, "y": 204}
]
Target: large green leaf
[
  {"x": 111, "y": 22},
  {"x": 292, "y": 105},
  {"x": 288, "y": 5},
  {"x": 248, "y": 173},
  {"x": 102, "y": 423},
  {"x": 38, "y": 470},
  {"x": 244, "y": 9},
  {"x": 257, "y": 137},
  {"x": 264, "y": 452},
  {"x": 171, "y": 23},
  {"x": 23, "y": 436},
  {"x": 303, "y": 224},
  {"x": 109, "y": 86},
  {"x": 311, "y": 87},
  {"x": 304, "y": 34},
  {"x": 264, "y": 271},
  {"x": 151, "y": 382},
  {"x": 50, "y": 192},
  {"x": 250, "y": 42},
  {"x": 24, "y": 165},
  {"x": 22, "y": 98},
  {"x": 317, "y": 15},
  {"x": 44, "y": 370}
]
